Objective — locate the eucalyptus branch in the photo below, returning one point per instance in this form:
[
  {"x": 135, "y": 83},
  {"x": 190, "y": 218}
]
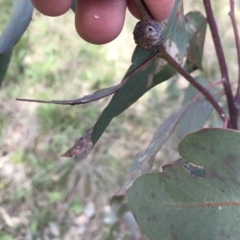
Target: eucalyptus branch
[
  {"x": 237, "y": 41},
  {"x": 166, "y": 56},
  {"x": 145, "y": 14},
  {"x": 233, "y": 112}
]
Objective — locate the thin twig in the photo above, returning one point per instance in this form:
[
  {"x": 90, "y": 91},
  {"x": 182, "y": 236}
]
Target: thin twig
[
  {"x": 237, "y": 41},
  {"x": 222, "y": 63},
  {"x": 145, "y": 14},
  {"x": 166, "y": 56}
]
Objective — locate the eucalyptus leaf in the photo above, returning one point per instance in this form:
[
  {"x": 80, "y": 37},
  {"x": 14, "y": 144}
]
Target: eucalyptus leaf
[
  {"x": 153, "y": 74},
  {"x": 146, "y": 71},
  {"x": 196, "y": 25},
  {"x": 197, "y": 114},
  {"x": 4, "y": 62},
  {"x": 99, "y": 94},
  {"x": 143, "y": 161},
  {"x": 196, "y": 197},
  {"x": 21, "y": 17}
]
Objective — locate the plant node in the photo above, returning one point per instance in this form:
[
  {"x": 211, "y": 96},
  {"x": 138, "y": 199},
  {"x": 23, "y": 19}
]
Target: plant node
[{"x": 147, "y": 34}]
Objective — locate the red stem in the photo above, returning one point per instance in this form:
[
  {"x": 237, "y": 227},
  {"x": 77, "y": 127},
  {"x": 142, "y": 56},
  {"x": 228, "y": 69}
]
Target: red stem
[
  {"x": 233, "y": 112},
  {"x": 237, "y": 41},
  {"x": 144, "y": 13},
  {"x": 165, "y": 55}
]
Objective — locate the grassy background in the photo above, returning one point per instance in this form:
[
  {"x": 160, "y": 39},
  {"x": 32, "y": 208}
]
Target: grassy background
[{"x": 44, "y": 196}]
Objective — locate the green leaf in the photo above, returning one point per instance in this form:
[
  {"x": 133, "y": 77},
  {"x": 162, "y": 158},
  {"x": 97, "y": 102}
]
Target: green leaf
[
  {"x": 146, "y": 78},
  {"x": 196, "y": 25},
  {"x": 190, "y": 117},
  {"x": 146, "y": 71},
  {"x": 143, "y": 161},
  {"x": 197, "y": 114},
  {"x": 4, "y": 62},
  {"x": 99, "y": 94},
  {"x": 197, "y": 199},
  {"x": 22, "y": 15}
]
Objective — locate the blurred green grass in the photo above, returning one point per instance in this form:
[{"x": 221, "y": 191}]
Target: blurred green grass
[
  {"x": 37, "y": 186},
  {"x": 52, "y": 62}
]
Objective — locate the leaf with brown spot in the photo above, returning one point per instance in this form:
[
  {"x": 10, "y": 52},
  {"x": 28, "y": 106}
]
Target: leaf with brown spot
[
  {"x": 154, "y": 73},
  {"x": 143, "y": 161},
  {"x": 147, "y": 71},
  {"x": 188, "y": 204},
  {"x": 82, "y": 147}
]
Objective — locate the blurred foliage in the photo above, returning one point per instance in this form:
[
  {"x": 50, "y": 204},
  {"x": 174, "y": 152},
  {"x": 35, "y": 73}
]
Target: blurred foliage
[{"x": 40, "y": 191}]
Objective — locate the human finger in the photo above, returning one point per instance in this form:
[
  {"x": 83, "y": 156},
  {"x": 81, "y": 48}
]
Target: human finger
[
  {"x": 52, "y": 7},
  {"x": 100, "y": 21}
]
